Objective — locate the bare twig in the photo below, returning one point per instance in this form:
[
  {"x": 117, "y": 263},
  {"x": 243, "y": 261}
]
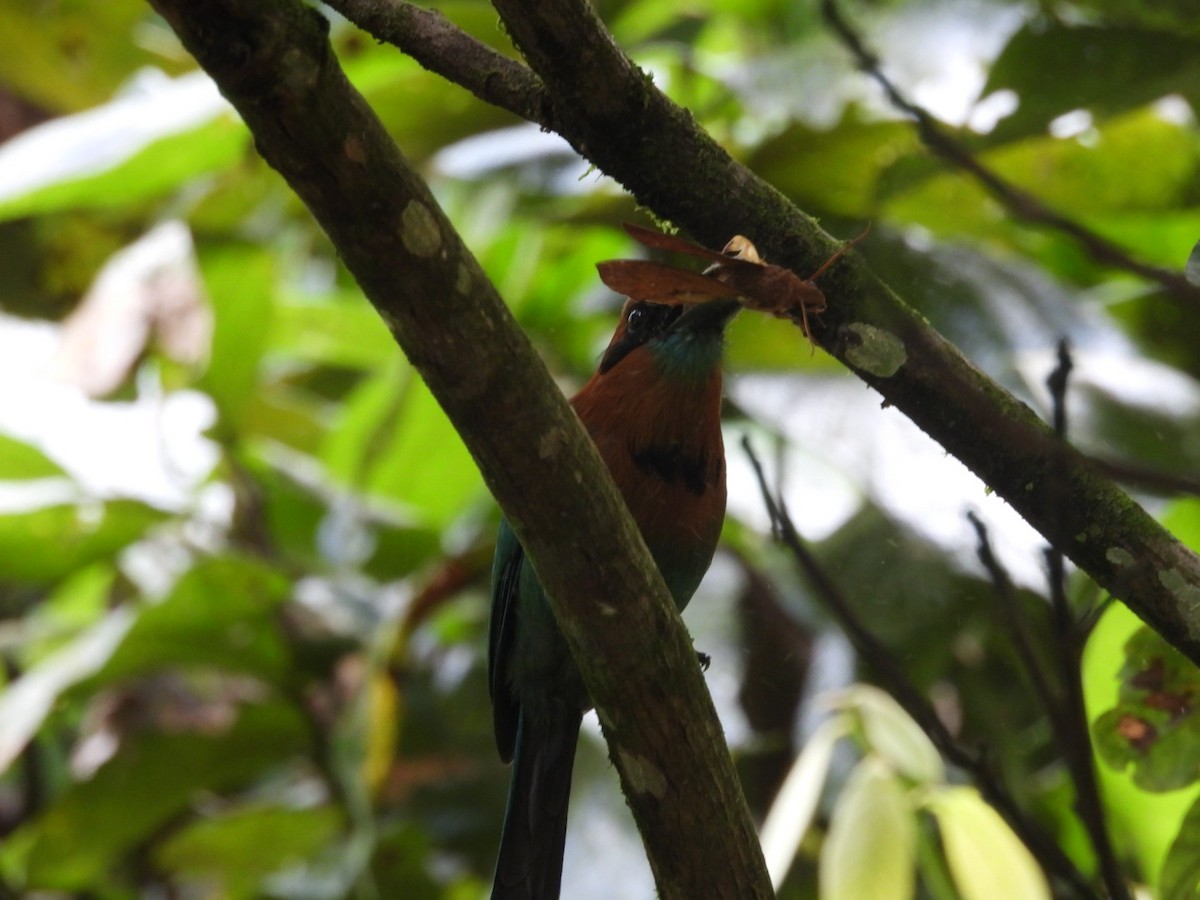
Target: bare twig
[
  {"x": 1151, "y": 480},
  {"x": 1018, "y": 201},
  {"x": 1069, "y": 720},
  {"x": 1043, "y": 684},
  {"x": 1057, "y": 382},
  {"x": 885, "y": 665}
]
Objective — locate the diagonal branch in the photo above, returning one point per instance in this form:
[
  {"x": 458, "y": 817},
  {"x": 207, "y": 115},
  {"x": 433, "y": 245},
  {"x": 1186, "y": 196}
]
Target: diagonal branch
[
  {"x": 272, "y": 60},
  {"x": 1020, "y": 203},
  {"x": 611, "y": 112}
]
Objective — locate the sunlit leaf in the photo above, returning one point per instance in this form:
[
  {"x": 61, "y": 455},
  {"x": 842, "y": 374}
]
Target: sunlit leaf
[
  {"x": 19, "y": 460},
  {"x": 383, "y": 708},
  {"x": 987, "y": 860},
  {"x": 1143, "y": 824},
  {"x": 1155, "y": 726},
  {"x": 163, "y": 165},
  {"x": 870, "y": 851},
  {"x": 65, "y": 56},
  {"x": 25, "y": 702}
]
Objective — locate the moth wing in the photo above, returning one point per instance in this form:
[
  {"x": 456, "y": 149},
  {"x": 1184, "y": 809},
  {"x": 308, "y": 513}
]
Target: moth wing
[
  {"x": 656, "y": 240},
  {"x": 645, "y": 280}
]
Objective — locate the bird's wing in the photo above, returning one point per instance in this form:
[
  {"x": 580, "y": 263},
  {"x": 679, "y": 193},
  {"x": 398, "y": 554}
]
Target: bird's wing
[{"x": 502, "y": 629}]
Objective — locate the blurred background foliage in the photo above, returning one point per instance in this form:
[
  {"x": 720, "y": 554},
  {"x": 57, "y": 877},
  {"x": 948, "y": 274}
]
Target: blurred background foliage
[{"x": 243, "y": 556}]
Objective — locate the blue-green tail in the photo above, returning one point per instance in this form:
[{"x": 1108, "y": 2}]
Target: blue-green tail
[{"x": 529, "y": 866}]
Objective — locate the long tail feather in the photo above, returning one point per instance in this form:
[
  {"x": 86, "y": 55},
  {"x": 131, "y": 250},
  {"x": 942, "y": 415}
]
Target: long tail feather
[{"x": 529, "y": 866}]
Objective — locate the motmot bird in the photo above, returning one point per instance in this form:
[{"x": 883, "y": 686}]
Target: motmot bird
[{"x": 653, "y": 409}]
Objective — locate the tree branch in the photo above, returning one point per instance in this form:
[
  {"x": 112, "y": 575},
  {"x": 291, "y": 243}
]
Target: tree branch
[
  {"x": 1020, "y": 203},
  {"x": 610, "y": 111},
  {"x": 441, "y": 47},
  {"x": 272, "y": 60}
]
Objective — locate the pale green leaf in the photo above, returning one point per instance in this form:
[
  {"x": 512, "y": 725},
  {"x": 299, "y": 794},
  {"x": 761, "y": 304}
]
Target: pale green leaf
[
  {"x": 27, "y": 701},
  {"x": 792, "y": 810},
  {"x": 125, "y": 152},
  {"x": 891, "y": 732},
  {"x": 986, "y": 859},
  {"x": 870, "y": 853}
]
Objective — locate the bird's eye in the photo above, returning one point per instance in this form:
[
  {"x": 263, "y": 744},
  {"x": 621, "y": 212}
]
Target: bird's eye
[{"x": 636, "y": 320}]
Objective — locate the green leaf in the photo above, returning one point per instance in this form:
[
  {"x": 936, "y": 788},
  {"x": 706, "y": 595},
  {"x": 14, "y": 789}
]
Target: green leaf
[
  {"x": 236, "y": 849},
  {"x": 394, "y": 441},
  {"x": 343, "y": 330},
  {"x": 239, "y": 280},
  {"x": 164, "y": 165},
  {"x": 44, "y": 545},
  {"x": 154, "y": 779},
  {"x": 221, "y": 613},
  {"x": 19, "y": 461},
  {"x": 65, "y": 56},
  {"x": 756, "y": 343},
  {"x": 870, "y": 852},
  {"x": 1143, "y": 824},
  {"x": 1092, "y": 179},
  {"x": 295, "y": 510},
  {"x": 834, "y": 171},
  {"x": 1055, "y": 68},
  {"x": 1155, "y": 726},
  {"x": 987, "y": 860},
  {"x": 1182, "y": 519}
]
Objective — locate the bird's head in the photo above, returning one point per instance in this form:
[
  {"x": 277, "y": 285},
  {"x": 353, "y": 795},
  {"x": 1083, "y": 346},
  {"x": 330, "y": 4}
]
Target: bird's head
[{"x": 683, "y": 340}]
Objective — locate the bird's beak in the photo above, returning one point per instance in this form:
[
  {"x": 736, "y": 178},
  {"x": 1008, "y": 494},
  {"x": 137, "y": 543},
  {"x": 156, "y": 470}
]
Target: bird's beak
[{"x": 710, "y": 317}]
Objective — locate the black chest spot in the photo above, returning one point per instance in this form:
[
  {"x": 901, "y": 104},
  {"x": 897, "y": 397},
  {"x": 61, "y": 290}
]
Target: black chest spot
[{"x": 671, "y": 463}]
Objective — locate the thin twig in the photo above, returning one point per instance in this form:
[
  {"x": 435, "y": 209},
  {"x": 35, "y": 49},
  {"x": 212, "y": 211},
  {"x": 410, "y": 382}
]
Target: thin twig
[
  {"x": 1151, "y": 480},
  {"x": 1018, "y": 201},
  {"x": 1057, "y": 382},
  {"x": 1070, "y": 721},
  {"x": 1043, "y": 684},
  {"x": 888, "y": 669}
]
